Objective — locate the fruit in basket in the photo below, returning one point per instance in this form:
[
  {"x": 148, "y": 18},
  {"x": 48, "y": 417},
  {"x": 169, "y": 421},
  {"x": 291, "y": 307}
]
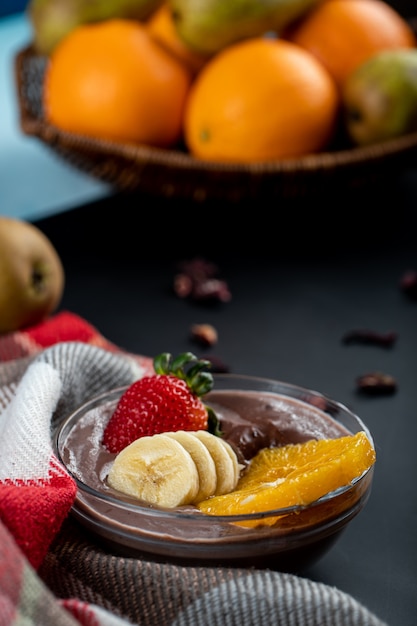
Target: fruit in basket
[
  {"x": 259, "y": 100},
  {"x": 31, "y": 275},
  {"x": 208, "y": 26},
  {"x": 51, "y": 20},
  {"x": 112, "y": 80},
  {"x": 380, "y": 97},
  {"x": 342, "y": 34}
]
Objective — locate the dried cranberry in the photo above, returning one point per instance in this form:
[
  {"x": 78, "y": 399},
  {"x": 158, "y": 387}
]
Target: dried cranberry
[
  {"x": 377, "y": 383},
  {"x": 211, "y": 289},
  {"x": 366, "y": 336},
  {"x": 198, "y": 269},
  {"x": 197, "y": 280},
  {"x": 408, "y": 284},
  {"x": 183, "y": 285},
  {"x": 217, "y": 365},
  {"x": 205, "y": 334}
]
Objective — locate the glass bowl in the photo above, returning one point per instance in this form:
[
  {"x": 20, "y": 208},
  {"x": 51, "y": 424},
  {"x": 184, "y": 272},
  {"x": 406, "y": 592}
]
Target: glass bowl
[{"x": 300, "y": 536}]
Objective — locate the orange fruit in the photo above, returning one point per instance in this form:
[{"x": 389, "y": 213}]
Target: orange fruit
[
  {"x": 342, "y": 34},
  {"x": 296, "y": 474},
  {"x": 162, "y": 27},
  {"x": 259, "y": 100},
  {"x": 111, "y": 80}
]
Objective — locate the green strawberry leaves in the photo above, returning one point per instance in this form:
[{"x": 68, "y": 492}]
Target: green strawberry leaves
[
  {"x": 188, "y": 367},
  {"x": 193, "y": 370}
]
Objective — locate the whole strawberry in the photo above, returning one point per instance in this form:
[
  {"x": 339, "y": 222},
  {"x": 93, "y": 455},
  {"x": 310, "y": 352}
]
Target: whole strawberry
[{"x": 167, "y": 401}]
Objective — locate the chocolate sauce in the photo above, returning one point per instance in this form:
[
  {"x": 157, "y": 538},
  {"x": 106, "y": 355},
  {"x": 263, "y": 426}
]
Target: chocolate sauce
[
  {"x": 252, "y": 420},
  {"x": 249, "y": 421}
]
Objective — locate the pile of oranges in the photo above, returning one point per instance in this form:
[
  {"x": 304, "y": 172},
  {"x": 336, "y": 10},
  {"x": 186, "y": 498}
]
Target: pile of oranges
[{"x": 264, "y": 98}]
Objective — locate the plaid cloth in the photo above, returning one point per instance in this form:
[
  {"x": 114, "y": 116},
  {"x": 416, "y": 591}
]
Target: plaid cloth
[{"x": 52, "y": 573}]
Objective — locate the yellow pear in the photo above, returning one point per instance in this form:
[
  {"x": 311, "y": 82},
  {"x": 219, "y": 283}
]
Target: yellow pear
[
  {"x": 51, "y": 20},
  {"x": 31, "y": 275},
  {"x": 207, "y": 26},
  {"x": 379, "y": 98}
]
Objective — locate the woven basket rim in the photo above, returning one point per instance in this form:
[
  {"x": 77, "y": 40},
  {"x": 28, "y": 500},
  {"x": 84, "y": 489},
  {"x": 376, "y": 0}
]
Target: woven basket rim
[{"x": 176, "y": 160}]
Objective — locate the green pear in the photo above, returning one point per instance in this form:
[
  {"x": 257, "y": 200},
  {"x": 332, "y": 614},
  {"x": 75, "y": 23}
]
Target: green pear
[
  {"x": 207, "y": 26},
  {"x": 379, "y": 98},
  {"x": 31, "y": 275},
  {"x": 51, "y": 20}
]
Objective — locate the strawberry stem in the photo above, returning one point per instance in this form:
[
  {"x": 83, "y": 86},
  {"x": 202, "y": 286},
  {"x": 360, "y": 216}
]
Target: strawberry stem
[
  {"x": 178, "y": 364},
  {"x": 161, "y": 363},
  {"x": 188, "y": 367},
  {"x": 213, "y": 425}
]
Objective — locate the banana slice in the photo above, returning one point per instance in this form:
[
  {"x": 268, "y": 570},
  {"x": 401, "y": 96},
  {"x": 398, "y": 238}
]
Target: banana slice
[
  {"x": 236, "y": 465},
  {"x": 203, "y": 460},
  {"x": 156, "y": 469},
  {"x": 225, "y": 467}
]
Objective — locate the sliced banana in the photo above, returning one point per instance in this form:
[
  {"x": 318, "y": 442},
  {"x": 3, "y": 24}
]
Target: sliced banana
[
  {"x": 156, "y": 469},
  {"x": 203, "y": 460},
  {"x": 225, "y": 466},
  {"x": 236, "y": 465}
]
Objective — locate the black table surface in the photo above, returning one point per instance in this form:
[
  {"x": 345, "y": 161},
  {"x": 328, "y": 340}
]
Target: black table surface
[{"x": 301, "y": 274}]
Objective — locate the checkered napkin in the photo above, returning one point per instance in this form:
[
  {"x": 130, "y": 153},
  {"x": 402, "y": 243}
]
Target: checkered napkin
[{"x": 52, "y": 573}]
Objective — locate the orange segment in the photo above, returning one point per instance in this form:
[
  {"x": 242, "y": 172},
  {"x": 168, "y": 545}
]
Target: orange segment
[{"x": 297, "y": 474}]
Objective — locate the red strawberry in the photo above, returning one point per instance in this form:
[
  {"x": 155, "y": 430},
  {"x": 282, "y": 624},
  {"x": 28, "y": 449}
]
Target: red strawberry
[{"x": 167, "y": 401}]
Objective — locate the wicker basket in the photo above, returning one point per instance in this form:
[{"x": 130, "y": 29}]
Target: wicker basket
[{"x": 174, "y": 173}]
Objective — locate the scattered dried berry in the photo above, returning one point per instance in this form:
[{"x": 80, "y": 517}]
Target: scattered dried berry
[
  {"x": 197, "y": 280},
  {"x": 376, "y": 383},
  {"x": 211, "y": 289},
  {"x": 198, "y": 269},
  {"x": 204, "y": 334},
  {"x": 183, "y": 285},
  {"x": 366, "y": 336},
  {"x": 408, "y": 284},
  {"x": 216, "y": 365}
]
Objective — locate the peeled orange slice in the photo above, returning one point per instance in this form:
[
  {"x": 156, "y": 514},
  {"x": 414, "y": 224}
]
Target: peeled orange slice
[{"x": 296, "y": 474}]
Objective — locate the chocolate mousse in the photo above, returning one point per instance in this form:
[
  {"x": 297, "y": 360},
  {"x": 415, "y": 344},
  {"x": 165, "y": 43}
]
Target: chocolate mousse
[{"x": 249, "y": 421}]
